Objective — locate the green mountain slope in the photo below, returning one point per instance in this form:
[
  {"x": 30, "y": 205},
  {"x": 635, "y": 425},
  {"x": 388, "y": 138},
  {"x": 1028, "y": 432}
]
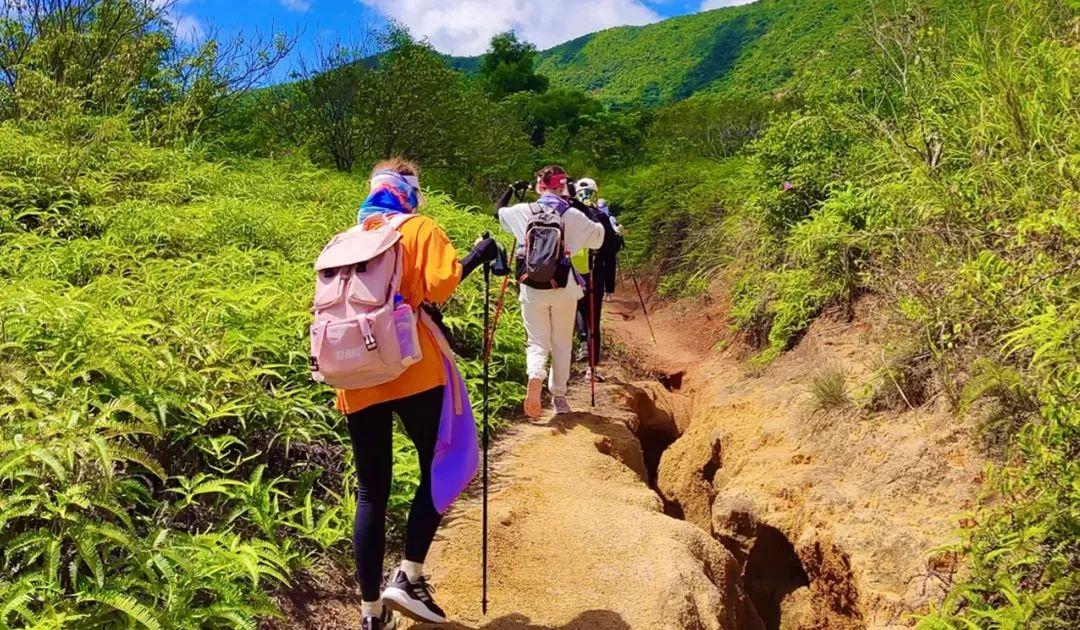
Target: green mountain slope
[{"x": 749, "y": 50}]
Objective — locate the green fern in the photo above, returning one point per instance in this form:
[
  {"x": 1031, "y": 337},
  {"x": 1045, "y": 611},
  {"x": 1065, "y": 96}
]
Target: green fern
[{"x": 127, "y": 605}]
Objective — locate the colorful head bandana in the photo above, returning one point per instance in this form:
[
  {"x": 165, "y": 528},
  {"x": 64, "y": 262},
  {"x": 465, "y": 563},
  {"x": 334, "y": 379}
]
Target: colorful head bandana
[{"x": 391, "y": 193}]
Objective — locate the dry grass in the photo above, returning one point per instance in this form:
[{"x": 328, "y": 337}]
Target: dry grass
[{"x": 829, "y": 388}]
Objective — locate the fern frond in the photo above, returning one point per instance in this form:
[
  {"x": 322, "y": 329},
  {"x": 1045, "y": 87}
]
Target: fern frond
[
  {"x": 14, "y": 597},
  {"x": 139, "y": 456},
  {"x": 88, "y": 552},
  {"x": 104, "y": 455},
  {"x": 128, "y": 605},
  {"x": 47, "y": 458}
]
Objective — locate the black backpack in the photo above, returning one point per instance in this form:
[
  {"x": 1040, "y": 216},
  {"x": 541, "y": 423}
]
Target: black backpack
[{"x": 542, "y": 262}]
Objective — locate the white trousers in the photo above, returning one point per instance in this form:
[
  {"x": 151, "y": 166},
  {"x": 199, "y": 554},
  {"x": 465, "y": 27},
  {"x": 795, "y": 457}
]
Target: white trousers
[{"x": 549, "y": 326}]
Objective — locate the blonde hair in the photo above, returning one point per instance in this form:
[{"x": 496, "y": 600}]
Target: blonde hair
[{"x": 397, "y": 164}]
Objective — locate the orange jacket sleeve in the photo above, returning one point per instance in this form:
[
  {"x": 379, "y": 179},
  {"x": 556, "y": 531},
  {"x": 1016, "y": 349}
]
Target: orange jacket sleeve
[{"x": 438, "y": 260}]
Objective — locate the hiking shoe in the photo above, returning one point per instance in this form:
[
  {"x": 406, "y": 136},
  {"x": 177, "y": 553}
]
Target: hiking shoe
[
  {"x": 533, "y": 408},
  {"x": 387, "y": 621},
  {"x": 413, "y": 599},
  {"x": 591, "y": 374},
  {"x": 562, "y": 405},
  {"x": 582, "y": 354}
]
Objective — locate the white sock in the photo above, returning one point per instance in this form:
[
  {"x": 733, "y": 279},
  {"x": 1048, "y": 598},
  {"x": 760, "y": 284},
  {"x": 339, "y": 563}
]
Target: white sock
[
  {"x": 413, "y": 570},
  {"x": 371, "y": 609}
]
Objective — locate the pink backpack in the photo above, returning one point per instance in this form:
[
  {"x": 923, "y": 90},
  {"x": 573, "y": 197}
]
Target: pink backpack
[{"x": 363, "y": 334}]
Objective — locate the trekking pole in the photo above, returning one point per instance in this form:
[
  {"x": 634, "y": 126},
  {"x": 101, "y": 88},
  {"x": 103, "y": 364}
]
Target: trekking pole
[
  {"x": 501, "y": 268},
  {"x": 487, "y": 384},
  {"x": 489, "y": 340},
  {"x": 644, "y": 309},
  {"x": 592, "y": 335}
]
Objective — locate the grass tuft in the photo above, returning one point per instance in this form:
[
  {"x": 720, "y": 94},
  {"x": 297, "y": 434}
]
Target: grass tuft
[{"x": 830, "y": 390}]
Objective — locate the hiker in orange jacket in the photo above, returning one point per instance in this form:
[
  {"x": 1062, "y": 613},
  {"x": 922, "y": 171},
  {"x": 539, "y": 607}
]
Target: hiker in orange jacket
[{"x": 421, "y": 397}]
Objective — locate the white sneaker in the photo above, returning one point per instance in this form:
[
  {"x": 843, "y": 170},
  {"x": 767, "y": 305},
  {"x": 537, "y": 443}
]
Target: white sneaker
[
  {"x": 589, "y": 375},
  {"x": 413, "y": 599},
  {"x": 562, "y": 405}
]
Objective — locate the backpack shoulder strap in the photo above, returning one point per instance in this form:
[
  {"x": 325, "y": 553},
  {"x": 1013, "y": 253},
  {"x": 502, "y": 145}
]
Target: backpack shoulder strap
[
  {"x": 399, "y": 219},
  {"x": 539, "y": 208},
  {"x": 393, "y": 219}
]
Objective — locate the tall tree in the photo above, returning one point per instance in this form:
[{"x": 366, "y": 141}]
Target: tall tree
[
  {"x": 392, "y": 95},
  {"x": 336, "y": 88},
  {"x": 110, "y": 56},
  {"x": 560, "y": 108},
  {"x": 509, "y": 66}
]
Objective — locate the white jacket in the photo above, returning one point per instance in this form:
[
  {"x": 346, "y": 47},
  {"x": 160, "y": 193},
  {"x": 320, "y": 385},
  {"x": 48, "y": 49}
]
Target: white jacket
[{"x": 579, "y": 231}]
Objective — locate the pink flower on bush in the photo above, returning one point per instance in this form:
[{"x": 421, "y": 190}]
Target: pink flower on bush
[{"x": 787, "y": 186}]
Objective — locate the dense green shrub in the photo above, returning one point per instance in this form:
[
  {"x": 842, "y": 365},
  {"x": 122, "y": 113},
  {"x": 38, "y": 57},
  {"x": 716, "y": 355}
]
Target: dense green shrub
[
  {"x": 164, "y": 457},
  {"x": 714, "y": 129},
  {"x": 123, "y": 58},
  {"x": 942, "y": 175}
]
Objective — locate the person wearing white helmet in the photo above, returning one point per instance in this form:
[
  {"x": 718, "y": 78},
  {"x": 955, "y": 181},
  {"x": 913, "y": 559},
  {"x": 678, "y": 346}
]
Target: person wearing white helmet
[
  {"x": 593, "y": 269},
  {"x": 611, "y": 255},
  {"x": 587, "y": 191}
]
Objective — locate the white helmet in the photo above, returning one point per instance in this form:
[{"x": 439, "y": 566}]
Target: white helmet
[{"x": 586, "y": 188}]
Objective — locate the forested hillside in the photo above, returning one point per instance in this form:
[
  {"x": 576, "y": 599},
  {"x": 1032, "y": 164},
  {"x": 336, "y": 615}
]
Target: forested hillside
[
  {"x": 165, "y": 460},
  {"x": 754, "y": 50}
]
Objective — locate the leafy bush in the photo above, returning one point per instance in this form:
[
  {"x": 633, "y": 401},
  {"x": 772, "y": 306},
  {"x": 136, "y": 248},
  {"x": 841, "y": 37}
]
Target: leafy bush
[
  {"x": 714, "y": 129},
  {"x": 942, "y": 175},
  {"x": 683, "y": 285},
  {"x": 165, "y": 459}
]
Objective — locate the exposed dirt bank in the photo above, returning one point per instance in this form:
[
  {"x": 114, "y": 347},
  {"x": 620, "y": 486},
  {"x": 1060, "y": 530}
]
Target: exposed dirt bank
[{"x": 833, "y": 515}]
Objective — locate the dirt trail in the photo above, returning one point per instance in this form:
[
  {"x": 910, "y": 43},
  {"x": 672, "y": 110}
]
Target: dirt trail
[
  {"x": 702, "y": 494},
  {"x": 579, "y": 540}
]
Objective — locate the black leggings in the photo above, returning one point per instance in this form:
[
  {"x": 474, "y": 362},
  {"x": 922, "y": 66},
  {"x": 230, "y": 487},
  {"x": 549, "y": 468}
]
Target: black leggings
[{"x": 372, "y": 432}]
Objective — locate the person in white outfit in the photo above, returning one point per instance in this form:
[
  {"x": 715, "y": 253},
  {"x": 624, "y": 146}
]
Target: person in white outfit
[{"x": 549, "y": 312}]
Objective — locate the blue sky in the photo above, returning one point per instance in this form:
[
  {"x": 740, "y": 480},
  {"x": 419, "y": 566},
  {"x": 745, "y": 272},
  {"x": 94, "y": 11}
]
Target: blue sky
[{"x": 461, "y": 27}]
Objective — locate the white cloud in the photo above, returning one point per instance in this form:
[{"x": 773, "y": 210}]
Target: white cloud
[
  {"x": 186, "y": 26},
  {"x": 300, "y": 6},
  {"x": 709, "y": 5},
  {"x": 465, "y": 27}
]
